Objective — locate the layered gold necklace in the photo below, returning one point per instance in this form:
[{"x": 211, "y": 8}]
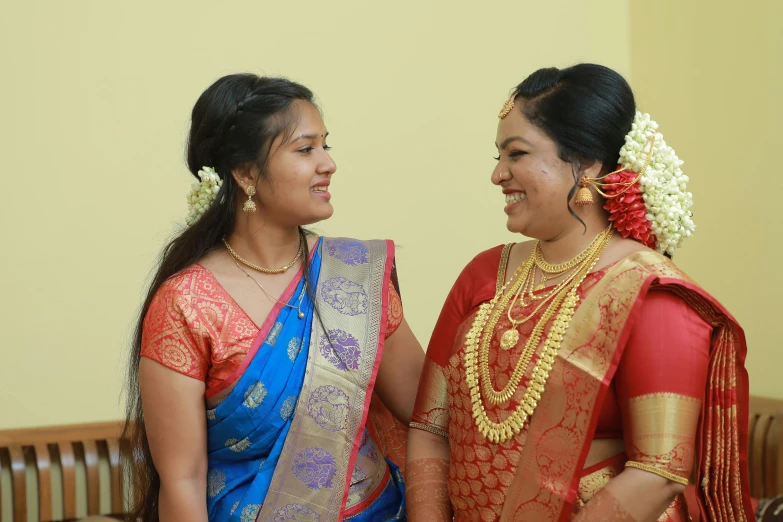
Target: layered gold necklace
[{"x": 562, "y": 301}]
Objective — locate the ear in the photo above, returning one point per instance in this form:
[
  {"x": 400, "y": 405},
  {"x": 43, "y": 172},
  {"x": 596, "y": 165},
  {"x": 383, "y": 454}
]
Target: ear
[
  {"x": 591, "y": 170},
  {"x": 245, "y": 176}
]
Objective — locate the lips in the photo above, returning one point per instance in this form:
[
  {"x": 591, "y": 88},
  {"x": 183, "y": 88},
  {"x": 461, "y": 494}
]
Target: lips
[{"x": 321, "y": 190}]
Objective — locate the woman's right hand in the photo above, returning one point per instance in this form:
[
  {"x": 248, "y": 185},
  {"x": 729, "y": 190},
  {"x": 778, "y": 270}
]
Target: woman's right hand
[{"x": 176, "y": 426}]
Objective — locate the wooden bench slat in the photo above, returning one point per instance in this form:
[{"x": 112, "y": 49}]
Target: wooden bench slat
[
  {"x": 93, "y": 477},
  {"x": 43, "y": 462},
  {"x": 117, "y": 479},
  {"x": 68, "y": 467},
  {"x": 19, "y": 481}
]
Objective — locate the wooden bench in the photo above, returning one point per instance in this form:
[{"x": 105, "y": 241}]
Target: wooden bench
[
  {"x": 45, "y": 467},
  {"x": 63, "y": 472}
]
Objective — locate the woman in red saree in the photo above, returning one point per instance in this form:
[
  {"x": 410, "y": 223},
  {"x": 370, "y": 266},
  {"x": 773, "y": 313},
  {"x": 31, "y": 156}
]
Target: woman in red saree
[{"x": 582, "y": 376}]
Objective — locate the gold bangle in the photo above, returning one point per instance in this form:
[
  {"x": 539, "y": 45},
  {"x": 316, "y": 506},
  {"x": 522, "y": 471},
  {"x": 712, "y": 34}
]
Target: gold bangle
[
  {"x": 658, "y": 471},
  {"x": 431, "y": 429}
]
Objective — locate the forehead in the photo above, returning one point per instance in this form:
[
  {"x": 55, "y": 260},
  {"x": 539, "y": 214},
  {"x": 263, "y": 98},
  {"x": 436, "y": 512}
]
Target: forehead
[
  {"x": 308, "y": 117},
  {"x": 517, "y": 124}
]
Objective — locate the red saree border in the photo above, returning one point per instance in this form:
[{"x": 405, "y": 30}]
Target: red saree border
[
  {"x": 371, "y": 384},
  {"x": 364, "y": 504}
]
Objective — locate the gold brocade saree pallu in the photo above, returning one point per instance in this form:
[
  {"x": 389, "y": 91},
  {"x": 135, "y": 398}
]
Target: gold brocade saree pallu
[
  {"x": 312, "y": 478},
  {"x": 558, "y": 437}
]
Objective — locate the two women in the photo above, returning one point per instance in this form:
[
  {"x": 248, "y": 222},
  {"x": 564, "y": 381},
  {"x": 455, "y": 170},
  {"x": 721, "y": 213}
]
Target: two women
[{"x": 578, "y": 376}]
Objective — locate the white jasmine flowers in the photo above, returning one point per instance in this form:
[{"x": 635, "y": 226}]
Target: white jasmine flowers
[
  {"x": 663, "y": 183},
  {"x": 202, "y": 194}
]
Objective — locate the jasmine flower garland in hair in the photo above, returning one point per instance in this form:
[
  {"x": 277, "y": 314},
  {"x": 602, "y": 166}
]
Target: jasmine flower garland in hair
[
  {"x": 662, "y": 183},
  {"x": 202, "y": 194}
]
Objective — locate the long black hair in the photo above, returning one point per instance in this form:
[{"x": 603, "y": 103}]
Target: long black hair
[
  {"x": 586, "y": 109},
  {"x": 234, "y": 123}
]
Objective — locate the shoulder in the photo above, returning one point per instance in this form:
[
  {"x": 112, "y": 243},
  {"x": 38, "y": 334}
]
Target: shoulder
[
  {"x": 350, "y": 244},
  {"x": 649, "y": 264},
  {"x": 653, "y": 271},
  {"x": 478, "y": 278},
  {"x": 175, "y": 294},
  {"x": 184, "y": 282},
  {"x": 519, "y": 252},
  {"x": 489, "y": 258}
]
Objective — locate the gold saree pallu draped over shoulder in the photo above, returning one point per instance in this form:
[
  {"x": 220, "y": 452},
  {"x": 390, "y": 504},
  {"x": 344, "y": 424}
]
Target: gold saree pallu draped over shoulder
[
  {"x": 558, "y": 435},
  {"x": 313, "y": 475}
]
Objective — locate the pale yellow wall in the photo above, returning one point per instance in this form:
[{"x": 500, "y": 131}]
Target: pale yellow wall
[
  {"x": 95, "y": 98},
  {"x": 711, "y": 74}
]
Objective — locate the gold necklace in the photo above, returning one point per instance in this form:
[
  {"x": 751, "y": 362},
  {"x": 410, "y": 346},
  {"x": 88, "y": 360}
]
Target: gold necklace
[
  {"x": 510, "y": 337},
  {"x": 517, "y": 322},
  {"x": 551, "y": 271},
  {"x": 559, "y": 268},
  {"x": 477, "y": 354},
  {"x": 261, "y": 268},
  {"x": 298, "y": 306}
]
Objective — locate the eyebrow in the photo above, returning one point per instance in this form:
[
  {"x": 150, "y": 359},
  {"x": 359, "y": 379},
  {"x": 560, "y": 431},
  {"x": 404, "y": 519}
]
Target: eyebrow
[
  {"x": 510, "y": 139},
  {"x": 310, "y": 136}
]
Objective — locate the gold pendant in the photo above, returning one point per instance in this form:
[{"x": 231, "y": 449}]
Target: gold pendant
[{"x": 509, "y": 339}]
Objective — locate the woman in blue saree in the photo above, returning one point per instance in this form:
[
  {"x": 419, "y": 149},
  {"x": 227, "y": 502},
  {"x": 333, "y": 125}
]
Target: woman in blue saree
[{"x": 276, "y": 394}]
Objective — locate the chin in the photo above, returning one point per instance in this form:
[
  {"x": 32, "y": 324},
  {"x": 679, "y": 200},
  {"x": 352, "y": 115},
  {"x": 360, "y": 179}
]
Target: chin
[
  {"x": 514, "y": 225},
  {"x": 326, "y": 213},
  {"x": 319, "y": 215}
]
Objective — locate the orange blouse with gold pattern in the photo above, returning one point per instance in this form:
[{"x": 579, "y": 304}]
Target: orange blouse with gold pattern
[{"x": 194, "y": 327}]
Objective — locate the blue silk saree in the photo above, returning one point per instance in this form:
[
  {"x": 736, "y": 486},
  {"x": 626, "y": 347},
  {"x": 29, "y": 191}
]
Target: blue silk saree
[{"x": 292, "y": 438}]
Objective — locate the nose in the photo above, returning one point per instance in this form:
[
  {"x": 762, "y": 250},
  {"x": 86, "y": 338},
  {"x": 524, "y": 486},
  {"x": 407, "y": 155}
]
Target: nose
[
  {"x": 327, "y": 166},
  {"x": 498, "y": 174}
]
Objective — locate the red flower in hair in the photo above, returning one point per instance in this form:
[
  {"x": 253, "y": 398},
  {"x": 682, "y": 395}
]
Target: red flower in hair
[{"x": 627, "y": 211}]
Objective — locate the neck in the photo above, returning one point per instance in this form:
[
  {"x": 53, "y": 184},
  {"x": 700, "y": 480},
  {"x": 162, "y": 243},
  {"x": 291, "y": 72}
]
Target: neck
[
  {"x": 262, "y": 242},
  {"x": 572, "y": 241}
]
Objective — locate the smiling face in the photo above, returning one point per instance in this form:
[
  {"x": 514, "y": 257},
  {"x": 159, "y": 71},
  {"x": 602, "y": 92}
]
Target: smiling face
[
  {"x": 533, "y": 178},
  {"x": 295, "y": 188}
]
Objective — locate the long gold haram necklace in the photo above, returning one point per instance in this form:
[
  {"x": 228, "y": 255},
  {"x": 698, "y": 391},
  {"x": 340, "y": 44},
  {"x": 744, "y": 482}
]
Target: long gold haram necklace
[
  {"x": 502, "y": 396},
  {"x": 499, "y": 397},
  {"x": 261, "y": 268},
  {"x": 477, "y": 350},
  {"x": 511, "y": 337}
]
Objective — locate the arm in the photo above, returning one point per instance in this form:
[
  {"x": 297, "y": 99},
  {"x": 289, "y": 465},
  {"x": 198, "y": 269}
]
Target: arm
[
  {"x": 398, "y": 375},
  {"x": 428, "y": 457},
  {"x": 660, "y": 386},
  {"x": 175, "y": 423},
  {"x": 172, "y": 395},
  {"x": 426, "y": 477}
]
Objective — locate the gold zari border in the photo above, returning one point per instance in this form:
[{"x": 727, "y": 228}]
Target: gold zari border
[{"x": 503, "y": 266}]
